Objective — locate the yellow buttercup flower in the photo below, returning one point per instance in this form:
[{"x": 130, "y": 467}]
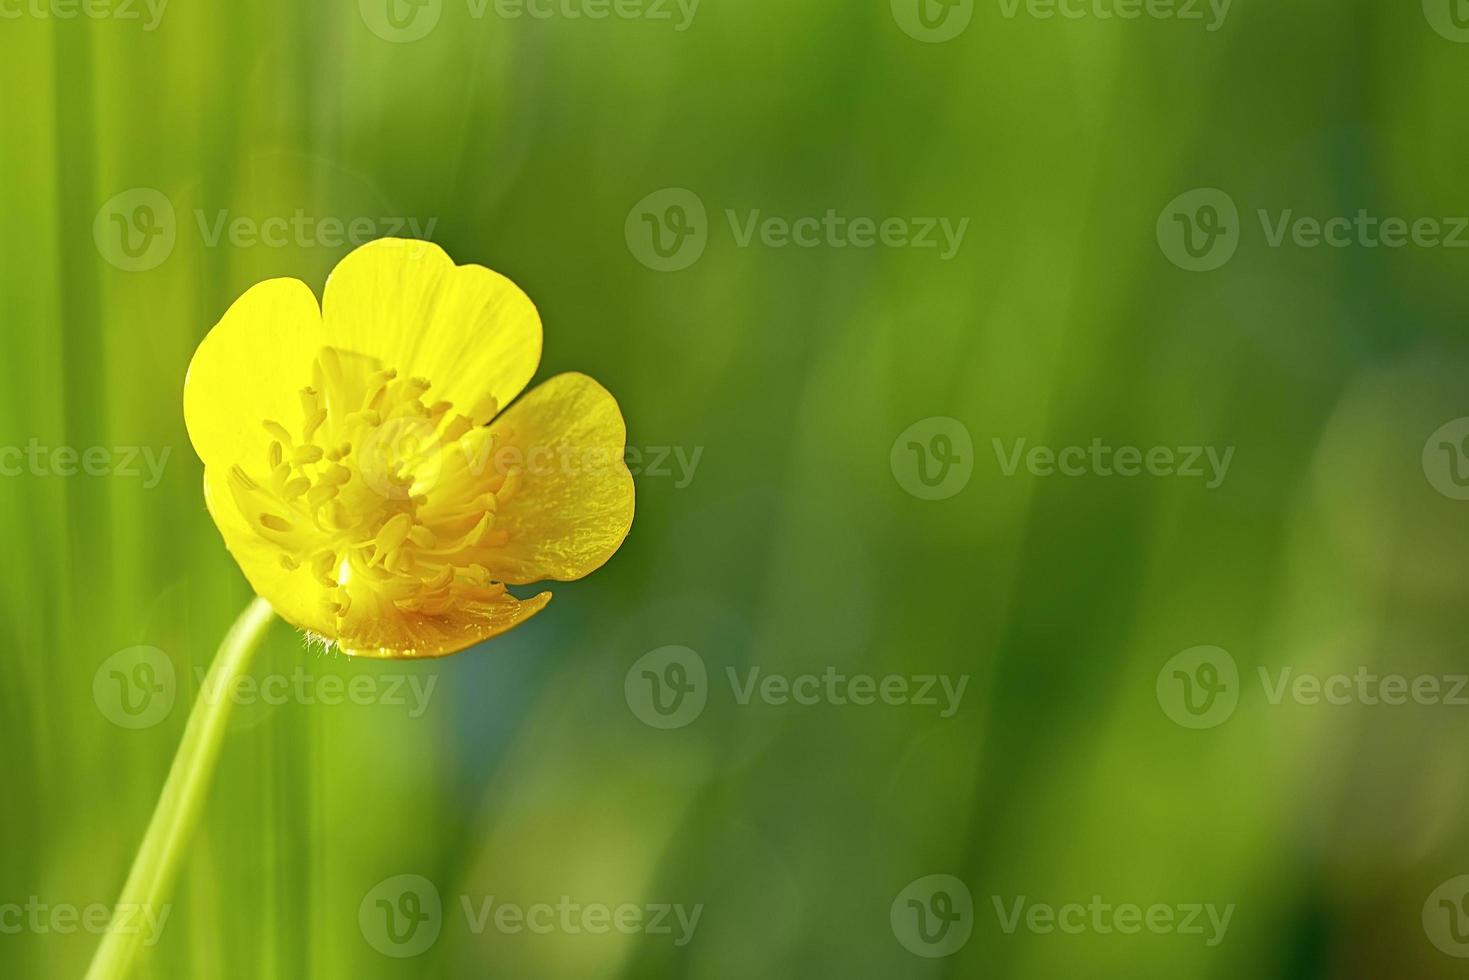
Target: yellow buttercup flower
[
  {"x": 359, "y": 467},
  {"x": 362, "y": 474}
]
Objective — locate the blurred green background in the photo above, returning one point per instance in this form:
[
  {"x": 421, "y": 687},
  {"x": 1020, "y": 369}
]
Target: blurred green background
[{"x": 797, "y": 543}]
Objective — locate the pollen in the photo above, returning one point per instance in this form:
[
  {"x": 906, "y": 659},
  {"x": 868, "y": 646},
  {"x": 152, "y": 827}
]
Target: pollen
[{"x": 387, "y": 504}]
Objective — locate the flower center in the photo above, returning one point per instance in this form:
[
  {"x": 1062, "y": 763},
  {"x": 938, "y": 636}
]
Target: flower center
[{"x": 387, "y": 500}]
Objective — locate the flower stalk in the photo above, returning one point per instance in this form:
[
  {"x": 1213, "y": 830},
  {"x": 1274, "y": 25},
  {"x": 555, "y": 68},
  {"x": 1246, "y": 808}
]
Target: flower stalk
[{"x": 181, "y": 802}]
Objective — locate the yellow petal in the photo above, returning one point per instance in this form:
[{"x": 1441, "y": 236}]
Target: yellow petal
[
  {"x": 571, "y": 496},
  {"x": 249, "y": 368},
  {"x": 469, "y": 331},
  {"x": 295, "y": 595},
  {"x": 411, "y": 636}
]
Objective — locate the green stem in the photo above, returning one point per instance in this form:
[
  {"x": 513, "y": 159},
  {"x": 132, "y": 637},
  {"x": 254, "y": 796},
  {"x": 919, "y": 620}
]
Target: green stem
[{"x": 178, "y": 808}]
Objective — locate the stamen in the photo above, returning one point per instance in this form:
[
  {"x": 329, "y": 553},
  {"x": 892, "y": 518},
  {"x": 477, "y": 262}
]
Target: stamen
[
  {"x": 394, "y": 532},
  {"x": 381, "y": 500}
]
